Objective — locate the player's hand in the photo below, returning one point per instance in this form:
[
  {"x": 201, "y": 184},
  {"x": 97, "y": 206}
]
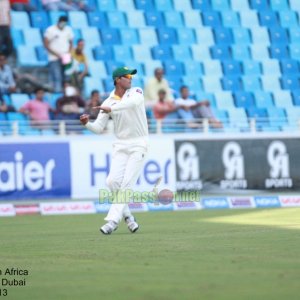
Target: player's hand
[
  {"x": 84, "y": 119},
  {"x": 105, "y": 109}
]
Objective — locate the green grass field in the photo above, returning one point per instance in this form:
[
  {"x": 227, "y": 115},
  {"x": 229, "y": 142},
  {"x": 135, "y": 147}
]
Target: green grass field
[{"x": 230, "y": 254}]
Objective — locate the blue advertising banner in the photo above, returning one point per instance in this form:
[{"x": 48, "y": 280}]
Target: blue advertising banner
[{"x": 34, "y": 170}]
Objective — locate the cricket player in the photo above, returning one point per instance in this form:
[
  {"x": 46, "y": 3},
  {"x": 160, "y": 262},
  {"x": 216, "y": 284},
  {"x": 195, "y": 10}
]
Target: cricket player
[{"x": 126, "y": 107}]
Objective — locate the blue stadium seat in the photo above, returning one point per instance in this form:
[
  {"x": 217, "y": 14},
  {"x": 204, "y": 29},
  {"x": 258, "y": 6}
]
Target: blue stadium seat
[
  {"x": 106, "y": 5},
  {"x": 193, "y": 82},
  {"x": 17, "y": 37},
  {"x": 222, "y": 35},
  {"x": 112, "y": 65},
  {"x": 279, "y": 5},
  {"x": 19, "y": 19},
  {"x": 243, "y": 99},
  {"x": 268, "y": 18},
  {"x": 122, "y": 53},
  {"x": 238, "y": 118},
  {"x": 147, "y": 5},
  {"x": 263, "y": 99},
  {"x": 27, "y": 57},
  {"x": 221, "y": 115},
  {"x": 231, "y": 67},
  {"x": 251, "y": 67},
  {"x": 192, "y": 19},
  {"x": 224, "y": 100},
  {"x": 211, "y": 83},
  {"x": 240, "y": 5},
  {"x": 161, "y": 52},
  {"x": 221, "y": 52},
  {"x": 282, "y": 98},
  {"x": 249, "y": 19},
  {"x": 289, "y": 66},
  {"x": 91, "y": 37},
  {"x": 129, "y": 36},
  {"x": 260, "y": 36},
  {"x": 181, "y": 52},
  {"x": 77, "y": 34},
  {"x": 42, "y": 54},
  {"x": 125, "y": 5},
  {"x": 103, "y": 53},
  {"x": 288, "y": 18},
  {"x": 259, "y": 52},
  {"x": 97, "y": 19},
  {"x": 192, "y": 67},
  {"x": 78, "y": 19},
  {"x": 279, "y": 52},
  {"x": 108, "y": 84},
  {"x": 278, "y": 35},
  {"x": 173, "y": 19},
  {"x": 290, "y": 82},
  {"x": 296, "y": 97},
  {"x": 205, "y": 36},
  {"x": 116, "y": 19},
  {"x": 271, "y": 67},
  {"x": 18, "y": 100},
  {"x": 175, "y": 82},
  {"x": 15, "y": 116},
  {"x": 251, "y": 83},
  {"x": 163, "y": 5},
  {"x": 270, "y": 83},
  {"x": 141, "y": 52},
  {"x": 138, "y": 66},
  {"x": 220, "y": 5},
  {"x": 98, "y": 70},
  {"x": 39, "y": 19},
  {"x": 135, "y": 19},
  {"x": 110, "y": 36},
  {"x": 180, "y": 5},
  {"x": 231, "y": 83},
  {"x": 241, "y": 36},
  {"x": 166, "y": 36},
  {"x": 212, "y": 68},
  {"x": 240, "y": 52},
  {"x": 259, "y": 4},
  {"x": 230, "y": 19},
  {"x": 200, "y": 52},
  {"x": 260, "y": 114},
  {"x": 294, "y": 51},
  {"x": 295, "y": 5},
  {"x": 172, "y": 67},
  {"x": 203, "y": 5},
  {"x": 186, "y": 36},
  {"x": 150, "y": 66},
  {"x": 211, "y": 19},
  {"x": 92, "y": 83},
  {"x": 277, "y": 116},
  {"x": 148, "y": 36},
  {"x": 154, "y": 18},
  {"x": 203, "y": 96}
]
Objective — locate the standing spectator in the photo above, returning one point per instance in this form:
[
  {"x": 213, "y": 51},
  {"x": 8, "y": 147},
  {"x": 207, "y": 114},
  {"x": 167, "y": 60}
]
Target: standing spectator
[
  {"x": 152, "y": 87},
  {"x": 57, "y": 5},
  {"x": 37, "y": 110},
  {"x": 22, "y": 5},
  {"x": 58, "y": 41},
  {"x": 7, "y": 82},
  {"x": 6, "y": 45},
  {"x": 94, "y": 101},
  {"x": 163, "y": 107},
  {"x": 79, "y": 68}
]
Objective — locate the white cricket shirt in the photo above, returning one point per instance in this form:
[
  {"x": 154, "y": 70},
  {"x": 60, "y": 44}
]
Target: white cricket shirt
[{"x": 128, "y": 115}]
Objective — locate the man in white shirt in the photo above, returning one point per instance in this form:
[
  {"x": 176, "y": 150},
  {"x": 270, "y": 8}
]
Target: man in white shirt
[
  {"x": 126, "y": 107},
  {"x": 58, "y": 41}
]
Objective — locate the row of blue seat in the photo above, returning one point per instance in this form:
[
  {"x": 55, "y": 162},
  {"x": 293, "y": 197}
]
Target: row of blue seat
[{"x": 176, "y": 19}]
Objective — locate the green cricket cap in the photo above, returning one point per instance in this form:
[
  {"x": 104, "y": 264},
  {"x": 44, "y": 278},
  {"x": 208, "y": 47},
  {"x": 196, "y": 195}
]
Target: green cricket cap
[{"x": 119, "y": 72}]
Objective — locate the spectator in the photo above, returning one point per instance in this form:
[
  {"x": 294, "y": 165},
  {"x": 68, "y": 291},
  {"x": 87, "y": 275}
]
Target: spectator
[
  {"x": 57, "y": 5},
  {"x": 4, "y": 107},
  {"x": 189, "y": 109},
  {"x": 158, "y": 82},
  {"x": 37, "y": 110},
  {"x": 6, "y": 45},
  {"x": 79, "y": 68},
  {"x": 95, "y": 100},
  {"x": 163, "y": 107},
  {"x": 7, "y": 82},
  {"x": 70, "y": 105},
  {"x": 22, "y": 5},
  {"x": 58, "y": 41}
]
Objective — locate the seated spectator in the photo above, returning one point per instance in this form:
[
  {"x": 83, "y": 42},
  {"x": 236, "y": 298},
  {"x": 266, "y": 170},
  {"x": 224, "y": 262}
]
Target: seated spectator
[
  {"x": 7, "y": 82},
  {"x": 95, "y": 100},
  {"x": 79, "y": 67},
  {"x": 22, "y": 5},
  {"x": 153, "y": 85},
  {"x": 57, "y": 5},
  {"x": 70, "y": 105},
  {"x": 163, "y": 107},
  {"x": 4, "y": 107},
  {"x": 38, "y": 110},
  {"x": 6, "y": 44},
  {"x": 190, "y": 109}
]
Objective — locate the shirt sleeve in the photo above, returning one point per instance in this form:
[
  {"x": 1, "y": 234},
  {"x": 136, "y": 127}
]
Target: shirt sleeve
[{"x": 135, "y": 98}]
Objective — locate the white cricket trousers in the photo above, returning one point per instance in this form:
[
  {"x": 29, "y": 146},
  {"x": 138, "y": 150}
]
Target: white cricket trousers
[{"x": 126, "y": 166}]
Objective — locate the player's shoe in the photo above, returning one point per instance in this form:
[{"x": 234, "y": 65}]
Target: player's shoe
[
  {"x": 109, "y": 227},
  {"x": 132, "y": 225}
]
